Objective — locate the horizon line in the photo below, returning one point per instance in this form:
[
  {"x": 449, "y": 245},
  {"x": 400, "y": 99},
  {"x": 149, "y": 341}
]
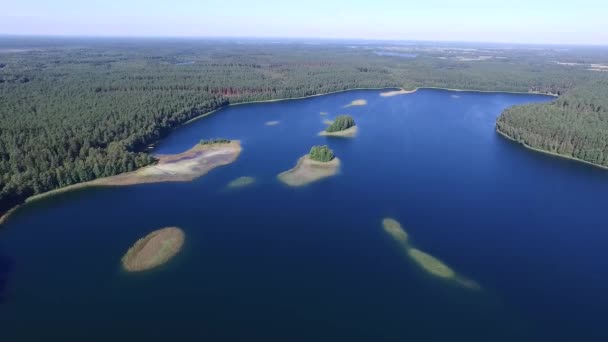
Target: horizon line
[{"x": 201, "y": 37}]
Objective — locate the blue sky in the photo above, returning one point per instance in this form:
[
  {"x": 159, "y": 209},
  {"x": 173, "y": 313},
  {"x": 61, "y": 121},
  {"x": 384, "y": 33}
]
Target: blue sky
[{"x": 518, "y": 21}]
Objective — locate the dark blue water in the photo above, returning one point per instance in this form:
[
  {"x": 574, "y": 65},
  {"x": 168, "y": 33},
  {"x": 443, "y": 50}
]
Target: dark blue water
[{"x": 273, "y": 263}]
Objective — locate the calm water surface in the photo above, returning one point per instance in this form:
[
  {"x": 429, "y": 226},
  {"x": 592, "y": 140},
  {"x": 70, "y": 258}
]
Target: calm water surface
[{"x": 273, "y": 263}]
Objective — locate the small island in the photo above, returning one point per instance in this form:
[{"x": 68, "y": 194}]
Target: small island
[
  {"x": 318, "y": 164},
  {"x": 342, "y": 126},
  {"x": 154, "y": 249},
  {"x": 241, "y": 182}
]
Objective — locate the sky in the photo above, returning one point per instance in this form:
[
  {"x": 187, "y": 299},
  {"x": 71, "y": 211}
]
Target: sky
[{"x": 511, "y": 21}]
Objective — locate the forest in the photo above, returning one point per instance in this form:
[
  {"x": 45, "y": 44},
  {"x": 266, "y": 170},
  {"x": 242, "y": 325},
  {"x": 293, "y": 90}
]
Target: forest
[
  {"x": 72, "y": 110},
  {"x": 575, "y": 125}
]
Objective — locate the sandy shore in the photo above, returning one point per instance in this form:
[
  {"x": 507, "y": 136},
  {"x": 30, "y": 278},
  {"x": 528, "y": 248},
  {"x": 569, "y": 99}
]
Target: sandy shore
[
  {"x": 397, "y": 92},
  {"x": 307, "y": 171},
  {"x": 347, "y": 133},
  {"x": 154, "y": 249}
]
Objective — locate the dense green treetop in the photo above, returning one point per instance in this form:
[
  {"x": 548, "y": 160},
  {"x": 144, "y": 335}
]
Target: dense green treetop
[
  {"x": 341, "y": 123},
  {"x": 321, "y": 153}
]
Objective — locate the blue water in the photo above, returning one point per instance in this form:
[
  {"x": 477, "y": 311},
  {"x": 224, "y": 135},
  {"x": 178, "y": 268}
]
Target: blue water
[{"x": 273, "y": 263}]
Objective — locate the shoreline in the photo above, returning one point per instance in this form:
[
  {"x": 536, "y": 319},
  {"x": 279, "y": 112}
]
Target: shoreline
[
  {"x": 399, "y": 90},
  {"x": 5, "y": 215},
  {"x": 553, "y": 154}
]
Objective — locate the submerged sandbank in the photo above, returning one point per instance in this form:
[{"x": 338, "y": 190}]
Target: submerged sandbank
[
  {"x": 307, "y": 171},
  {"x": 427, "y": 262},
  {"x": 323, "y": 113},
  {"x": 360, "y": 102},
  {"x": 154, "y": 249},
  {"x": 241, "y": 182},
  {"x": 430, "y": 264},
  {"x": 397, "y": 92},
  {"x": 393, "y": 228},
  {"x": 346, "y": 133}
]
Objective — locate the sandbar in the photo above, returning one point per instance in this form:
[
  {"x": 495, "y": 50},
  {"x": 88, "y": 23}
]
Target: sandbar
[
  {"x": 397, "y": 92},
  {"x": 154, "y": 249},
  {"x": 272, "y": 123},
  {"x": 241, "y": 182},
  {"x": 307, "y": 171},
  {"x": 328, "y": 122},
  {"x": 346, "y": 133},
  {"x": 360, "y": 102}
]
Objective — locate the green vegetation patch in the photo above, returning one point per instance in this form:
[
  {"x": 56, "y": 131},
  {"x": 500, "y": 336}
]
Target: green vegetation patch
[
  {"x": 321, "y": 153},
  {"x": 341, "y": 123}
]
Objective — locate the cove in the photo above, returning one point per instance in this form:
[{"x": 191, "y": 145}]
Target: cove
[{"x": 271, "y": 262}]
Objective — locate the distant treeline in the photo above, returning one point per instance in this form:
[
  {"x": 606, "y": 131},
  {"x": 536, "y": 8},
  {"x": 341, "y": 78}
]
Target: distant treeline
[
  {"x": 77, "y": 112},
  {"x": 575, "y": 125}
]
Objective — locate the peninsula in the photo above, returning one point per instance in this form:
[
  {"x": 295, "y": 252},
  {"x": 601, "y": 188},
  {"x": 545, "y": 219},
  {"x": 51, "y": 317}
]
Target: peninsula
[{"x": 182, "y": 167}]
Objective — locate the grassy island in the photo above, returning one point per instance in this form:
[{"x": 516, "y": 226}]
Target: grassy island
[
  {"x": 154, "y": 249},
  {"x": 342, "y": 126},
  {"x": 318, "y": 164}
]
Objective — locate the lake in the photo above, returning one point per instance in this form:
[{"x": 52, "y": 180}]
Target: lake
[{"x": 269, "y": 262}]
